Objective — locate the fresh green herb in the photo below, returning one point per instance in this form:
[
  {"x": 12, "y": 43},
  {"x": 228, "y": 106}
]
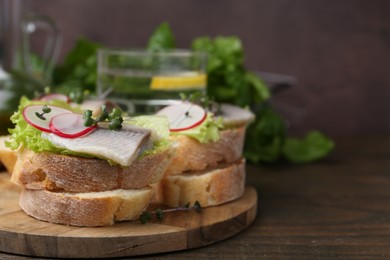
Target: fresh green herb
[
  {"x": 78, "y": 71},
  {"x": 146, "y": 216},
  {"x": 162, "y": 38},
  {"x": 203, "y": 100},
  {"x": 115, "y": 113},
  {"x": 21, "y": 84},
  {"x": 159, "y": 214},
  {"x": 265, "y": 137},
  {"x": 88, "y": 120},
  {"x": 314, "y": 146},
  {"x": 114, "y": 118},
  {"x": 78, "y": 95},
  {"x": 115, "y": 123},
  {"x": 45, "y": 110},
  {"x": 103, "y": 115},
  {"x": 228, "y": 80}
]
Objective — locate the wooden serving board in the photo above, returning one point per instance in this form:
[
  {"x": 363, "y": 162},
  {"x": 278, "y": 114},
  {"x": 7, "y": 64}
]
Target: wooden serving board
[{"x": 21, "y": 234}]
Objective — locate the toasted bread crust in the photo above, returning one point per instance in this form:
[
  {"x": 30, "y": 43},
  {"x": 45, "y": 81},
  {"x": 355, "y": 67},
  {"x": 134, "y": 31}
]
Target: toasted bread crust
[
  {"x": 56, "y": 172},
  {"x": 191, "y": 155},
  {"x": 210, "y": 188},
  {"x": 85, "y": 209}
]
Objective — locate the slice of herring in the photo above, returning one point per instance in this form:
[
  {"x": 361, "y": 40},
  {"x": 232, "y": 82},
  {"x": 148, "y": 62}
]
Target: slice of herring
[
  {"x": 235, "y": 116},
  {"x": 122, "y": 147}
]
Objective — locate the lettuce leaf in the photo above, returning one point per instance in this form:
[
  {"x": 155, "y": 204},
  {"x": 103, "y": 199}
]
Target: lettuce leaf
[{"x": 313, "y": 146}]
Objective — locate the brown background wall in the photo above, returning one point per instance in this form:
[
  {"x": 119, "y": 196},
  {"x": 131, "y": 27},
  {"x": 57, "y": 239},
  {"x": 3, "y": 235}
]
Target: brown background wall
[{"x": 338, "y": 50}]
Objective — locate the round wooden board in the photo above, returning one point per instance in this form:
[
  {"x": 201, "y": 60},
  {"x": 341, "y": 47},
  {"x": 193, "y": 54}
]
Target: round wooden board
[{"x": 21, "y": 234}]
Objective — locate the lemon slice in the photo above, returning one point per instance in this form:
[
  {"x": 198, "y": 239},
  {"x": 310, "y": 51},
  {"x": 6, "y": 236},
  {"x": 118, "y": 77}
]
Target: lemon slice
[{"x": 179, "y": 81}]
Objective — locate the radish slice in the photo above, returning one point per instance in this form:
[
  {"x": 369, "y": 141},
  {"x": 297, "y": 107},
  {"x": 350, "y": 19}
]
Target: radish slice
[
  {"x": 183, "y": 116},
  {"x": 69, "y": 125},
  {"x": 29, "y": 115},
  {"x": 55, "y": 96}
]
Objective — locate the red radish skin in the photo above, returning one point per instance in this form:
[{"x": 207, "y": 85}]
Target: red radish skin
[
  {"x": 69, "y": 125},
  {"x": 183, "y": 116},
  {"x": 192, "y": 126},
  {"x": 55, "y": 96},
  {"x": 42, "y": 125}
]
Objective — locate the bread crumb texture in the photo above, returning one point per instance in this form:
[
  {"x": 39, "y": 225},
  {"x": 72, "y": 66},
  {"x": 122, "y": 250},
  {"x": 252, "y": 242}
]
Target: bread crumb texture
[{"x": 85, "y": 209}]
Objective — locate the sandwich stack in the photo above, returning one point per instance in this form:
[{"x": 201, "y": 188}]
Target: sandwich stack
[
  {"x": 93, "y": 176},
  {"x": 110, "y": 184},
  {"x": 212, "y": 172}
]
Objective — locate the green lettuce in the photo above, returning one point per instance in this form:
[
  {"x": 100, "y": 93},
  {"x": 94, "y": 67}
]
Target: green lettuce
[
  {"x": 313, "y": 146},
  {"x": 206, "y": 132}
]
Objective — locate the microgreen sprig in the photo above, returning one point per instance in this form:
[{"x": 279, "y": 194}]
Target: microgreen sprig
[
  {"x": 146, "y": 216},
  {"x": 88, "y": 120},
  {"x": 78, "y": 96},
  {"x": 45, "y": 110},
  {"x": 202, "y": 100},
  {"x": 114, "y": 118}
]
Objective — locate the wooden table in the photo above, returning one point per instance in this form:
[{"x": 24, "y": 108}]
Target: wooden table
[{"x": 336, "y": 208}]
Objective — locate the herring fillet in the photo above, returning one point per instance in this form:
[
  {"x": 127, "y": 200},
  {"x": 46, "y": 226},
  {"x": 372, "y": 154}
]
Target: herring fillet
[
  {"x": 122, "y": 147},
  {"x": 233, "y": 115}
]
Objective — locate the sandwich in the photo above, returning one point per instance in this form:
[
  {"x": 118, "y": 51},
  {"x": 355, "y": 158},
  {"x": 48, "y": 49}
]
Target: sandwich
[
  {"x": 92, "y": 175},
  {"x": 80, "y": 175},
  {"x": 207, "y": 166}
]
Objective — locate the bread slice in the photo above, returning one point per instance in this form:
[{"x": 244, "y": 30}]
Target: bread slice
[
  {"x": 191, "y": 155},
  {"x": 85, "y": 209},
  {"x": 210, "y": 187},
  {"x": 57, "y": 172},
  {"x": 7, "y": 156}
]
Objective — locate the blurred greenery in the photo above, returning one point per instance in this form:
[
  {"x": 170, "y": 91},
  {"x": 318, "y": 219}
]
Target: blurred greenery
[
  {"x": 229, "y": 81},
  {"x": 162, "y": 38},
  {"x": 78, "y": 71}
]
